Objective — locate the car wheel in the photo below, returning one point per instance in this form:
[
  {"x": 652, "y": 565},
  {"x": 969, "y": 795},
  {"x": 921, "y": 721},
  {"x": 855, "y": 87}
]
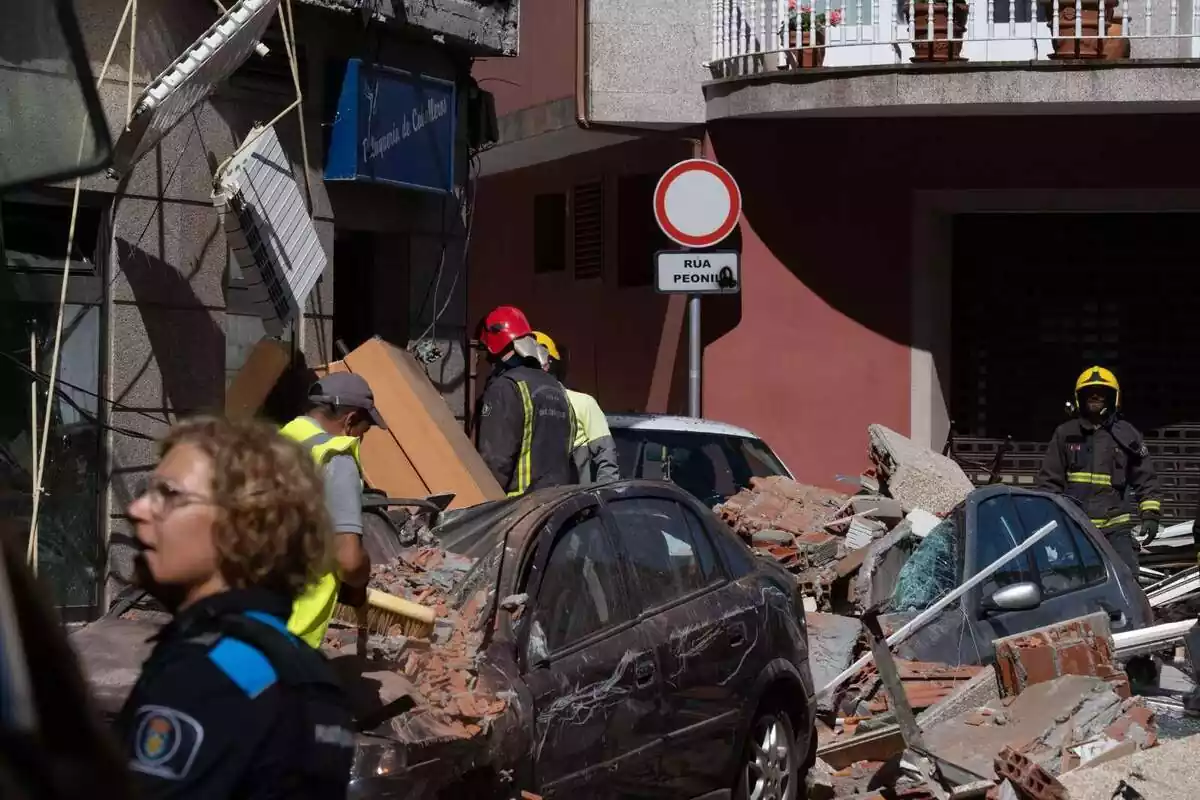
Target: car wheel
[{"x": 771, "y": 762}]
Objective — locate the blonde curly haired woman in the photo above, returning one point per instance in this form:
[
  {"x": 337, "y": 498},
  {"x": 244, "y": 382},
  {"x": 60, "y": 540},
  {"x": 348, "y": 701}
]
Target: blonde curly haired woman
[{"x": 232, "y": 526}]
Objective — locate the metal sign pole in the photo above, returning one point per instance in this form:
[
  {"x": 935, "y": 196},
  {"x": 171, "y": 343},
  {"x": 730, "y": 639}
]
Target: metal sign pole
[{"x": 694, "y": 355}]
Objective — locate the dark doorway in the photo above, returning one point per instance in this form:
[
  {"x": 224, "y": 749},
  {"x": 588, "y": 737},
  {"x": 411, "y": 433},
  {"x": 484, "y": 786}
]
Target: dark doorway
[{"x": 1037, "y": 298}]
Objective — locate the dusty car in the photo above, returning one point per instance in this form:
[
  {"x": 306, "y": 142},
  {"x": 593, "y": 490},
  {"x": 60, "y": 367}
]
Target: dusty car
[
  {"x": 712, "y": 460},
  {"x": 1070, "y": 573},
  {"x": 643, "y": 649}
]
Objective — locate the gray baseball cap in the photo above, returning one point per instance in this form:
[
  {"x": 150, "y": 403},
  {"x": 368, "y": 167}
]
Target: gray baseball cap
[{"x": 349, "y": 390}]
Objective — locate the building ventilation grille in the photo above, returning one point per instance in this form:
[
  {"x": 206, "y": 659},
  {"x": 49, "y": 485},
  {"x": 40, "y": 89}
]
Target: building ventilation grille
[
  {"x": 588, "y": 219},
  {"x": 268, "y": 226}
]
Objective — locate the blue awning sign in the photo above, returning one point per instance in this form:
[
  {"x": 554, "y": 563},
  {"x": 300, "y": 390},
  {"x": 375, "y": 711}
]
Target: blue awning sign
[{"x": 393, "y": 127}]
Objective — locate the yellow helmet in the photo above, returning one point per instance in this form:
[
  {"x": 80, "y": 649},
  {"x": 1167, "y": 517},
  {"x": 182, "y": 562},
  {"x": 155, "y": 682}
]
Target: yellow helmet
[
  {"x": 548, "y": 343},
  {"x": 1097, "y": 376}
]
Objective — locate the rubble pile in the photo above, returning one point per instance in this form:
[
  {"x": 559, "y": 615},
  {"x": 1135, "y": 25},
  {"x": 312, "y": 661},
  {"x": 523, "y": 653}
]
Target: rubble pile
[
  {"x": 1054, "y": 704},
  {"x": 440, "y": 674}
]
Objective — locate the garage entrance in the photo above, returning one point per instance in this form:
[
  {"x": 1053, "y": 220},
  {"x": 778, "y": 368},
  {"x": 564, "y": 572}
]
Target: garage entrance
[{"x": 1037, "y": 298}]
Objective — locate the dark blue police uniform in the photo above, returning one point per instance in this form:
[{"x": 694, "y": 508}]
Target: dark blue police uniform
[{"x": 230, "y": 704}]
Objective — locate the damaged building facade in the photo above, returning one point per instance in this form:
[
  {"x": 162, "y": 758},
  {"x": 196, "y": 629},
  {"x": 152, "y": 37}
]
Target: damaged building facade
[
  {"x": 921, "y": 242},
  {"x": 159, "y": 315}
]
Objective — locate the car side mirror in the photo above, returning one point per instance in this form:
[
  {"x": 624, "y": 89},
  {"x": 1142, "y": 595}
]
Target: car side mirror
[{"x": 1023, "y": 596}]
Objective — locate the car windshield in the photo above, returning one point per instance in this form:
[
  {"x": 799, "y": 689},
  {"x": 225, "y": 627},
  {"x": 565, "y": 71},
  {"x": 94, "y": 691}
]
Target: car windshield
[
  {"x": 712, "y": 467},
  {"x": 931, "y": 572},
  {"x": 475, "y": 533}
]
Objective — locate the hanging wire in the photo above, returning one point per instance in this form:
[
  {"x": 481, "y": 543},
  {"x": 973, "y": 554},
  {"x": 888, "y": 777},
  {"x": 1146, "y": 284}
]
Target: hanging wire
[
  {"x": 469, "y": 209},
  {"x": 39, "y": 473}
]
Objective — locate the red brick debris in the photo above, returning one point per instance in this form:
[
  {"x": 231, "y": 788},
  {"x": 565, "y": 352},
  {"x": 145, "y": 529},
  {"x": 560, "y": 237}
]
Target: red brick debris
[
  {"x": 444, "y": 671},
  {"x": 1030, "y": 780},
  {"x": 777, "y": 503},
  {"x": 1068, "y": 648}
]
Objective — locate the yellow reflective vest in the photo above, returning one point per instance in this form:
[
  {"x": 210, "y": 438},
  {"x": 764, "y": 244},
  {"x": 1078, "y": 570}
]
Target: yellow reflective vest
[{"x": 312, "y": 610}]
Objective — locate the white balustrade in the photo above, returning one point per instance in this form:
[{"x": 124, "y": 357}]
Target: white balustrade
[{"x": 753, "y": 36}]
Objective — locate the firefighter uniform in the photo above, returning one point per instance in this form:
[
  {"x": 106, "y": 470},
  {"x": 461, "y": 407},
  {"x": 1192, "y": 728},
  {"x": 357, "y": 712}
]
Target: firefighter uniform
[
  {"x": 230, "y": 704},
  {"x": 526, "y": 430},
  {"x": 1095, "y": 462}
]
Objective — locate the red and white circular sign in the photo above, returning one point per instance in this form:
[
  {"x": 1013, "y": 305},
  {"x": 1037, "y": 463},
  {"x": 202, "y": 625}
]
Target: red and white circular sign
[{"x": 697, "y": 203}]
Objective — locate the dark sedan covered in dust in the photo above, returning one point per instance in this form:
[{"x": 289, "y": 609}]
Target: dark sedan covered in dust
[{"x": 643, "y": 649}]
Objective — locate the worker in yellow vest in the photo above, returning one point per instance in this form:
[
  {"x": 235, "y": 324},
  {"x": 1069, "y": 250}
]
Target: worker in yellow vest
[
  {"x": 593, "y": 451},
  {"x": 341, "y": 408}
]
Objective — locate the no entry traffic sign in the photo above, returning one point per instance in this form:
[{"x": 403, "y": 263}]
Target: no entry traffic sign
[{"x": 697, "y": 203}]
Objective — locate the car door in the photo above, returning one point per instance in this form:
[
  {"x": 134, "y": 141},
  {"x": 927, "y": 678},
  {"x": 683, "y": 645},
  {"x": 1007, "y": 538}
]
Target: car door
[
  {"x": 1065, "y": 565},
  {"x": 589, "y": 666},
  {"x": 707, "y": 630}
]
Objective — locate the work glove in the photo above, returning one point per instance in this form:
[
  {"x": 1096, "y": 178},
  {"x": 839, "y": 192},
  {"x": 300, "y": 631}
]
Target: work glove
[{"x": 1149, "y": 531}]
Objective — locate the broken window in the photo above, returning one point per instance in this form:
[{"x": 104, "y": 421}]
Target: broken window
[
  {"x": 70, "y": 553},
  {"x": 670, "y": 557},
  {"x": 931, "y": 572},
  {"x": 581, "y": 592},
  {"x": 998, "y": 529}
]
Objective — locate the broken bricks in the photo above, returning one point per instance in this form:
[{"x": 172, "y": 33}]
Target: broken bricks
[{"x": 1080, "y": 646}]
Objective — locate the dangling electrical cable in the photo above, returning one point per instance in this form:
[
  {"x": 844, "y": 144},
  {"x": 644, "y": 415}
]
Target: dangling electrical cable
[{"x": 39, "y": 472}]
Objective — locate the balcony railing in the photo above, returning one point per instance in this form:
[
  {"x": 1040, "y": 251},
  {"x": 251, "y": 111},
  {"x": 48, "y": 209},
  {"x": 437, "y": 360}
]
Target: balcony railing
[{"x": 756, "y": 36}]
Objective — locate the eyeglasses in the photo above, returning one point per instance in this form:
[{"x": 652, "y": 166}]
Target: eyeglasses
[{"x": 165, "y": 498}]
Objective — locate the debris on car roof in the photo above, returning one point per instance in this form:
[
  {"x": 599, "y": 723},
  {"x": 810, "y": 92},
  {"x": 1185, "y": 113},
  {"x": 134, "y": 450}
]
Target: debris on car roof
[
  {"x": 441, "y": 673},
  {"x": 1051, "y": 702}
]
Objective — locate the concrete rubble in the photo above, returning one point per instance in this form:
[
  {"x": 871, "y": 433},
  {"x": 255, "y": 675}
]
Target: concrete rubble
[{"x": 1053, "y": 703}]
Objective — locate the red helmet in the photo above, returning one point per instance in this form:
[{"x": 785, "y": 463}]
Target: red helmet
[{"x": 503, "y": 326}]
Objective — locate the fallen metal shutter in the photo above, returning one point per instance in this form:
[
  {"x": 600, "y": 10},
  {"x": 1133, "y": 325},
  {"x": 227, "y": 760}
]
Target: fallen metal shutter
[{"x": 268, "y": 225}]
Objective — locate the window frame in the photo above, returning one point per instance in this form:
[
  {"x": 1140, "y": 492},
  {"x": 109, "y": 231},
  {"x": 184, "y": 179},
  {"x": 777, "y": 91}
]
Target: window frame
[
  {"x": 698, "y": 529},
  {"x": 534, "y": 571},
  {"x": 90, "y": 288},
  {"x": 1028, "y": 560},
  {"x": 1075, "y": 532}
]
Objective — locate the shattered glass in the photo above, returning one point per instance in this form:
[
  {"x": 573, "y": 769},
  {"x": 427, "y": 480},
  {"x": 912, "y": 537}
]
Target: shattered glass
[{"x": 931, "y": 572}]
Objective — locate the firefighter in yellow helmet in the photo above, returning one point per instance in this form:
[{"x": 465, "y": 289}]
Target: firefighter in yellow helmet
[
  {"x": 594, "y": 452},
  {"x": 1096, "y": 456}
]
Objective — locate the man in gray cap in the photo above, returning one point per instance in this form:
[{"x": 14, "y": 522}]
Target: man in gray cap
[{"x": 341, "y": 408}]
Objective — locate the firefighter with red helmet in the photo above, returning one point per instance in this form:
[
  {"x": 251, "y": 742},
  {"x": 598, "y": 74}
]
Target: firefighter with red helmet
[
  {"x": 526, "y": 428},
  {"x": 1096, "y": 456}
]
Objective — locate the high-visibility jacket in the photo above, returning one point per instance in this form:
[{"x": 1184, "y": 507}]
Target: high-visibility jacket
[
  {"x": 313, "y": 609},
  {"x": 526, "y": 430},
  {"x": 1096, "y": 464},
  {"x": 594, "y": 450}
]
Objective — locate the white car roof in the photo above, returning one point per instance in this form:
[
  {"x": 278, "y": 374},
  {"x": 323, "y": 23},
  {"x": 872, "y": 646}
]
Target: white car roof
[{"x": 668, "y": 422}]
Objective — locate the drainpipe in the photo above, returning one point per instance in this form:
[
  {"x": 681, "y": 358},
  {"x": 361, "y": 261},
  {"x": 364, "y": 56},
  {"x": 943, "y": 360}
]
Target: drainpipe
[{"x": 582, "y": 14}]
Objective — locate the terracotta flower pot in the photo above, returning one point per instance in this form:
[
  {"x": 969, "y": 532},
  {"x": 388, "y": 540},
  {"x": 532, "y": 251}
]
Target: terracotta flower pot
[
  {"x": 1088, "y": 45},
  {"x": 941, "y": 47},
  {"x": 807, "y": 49}
]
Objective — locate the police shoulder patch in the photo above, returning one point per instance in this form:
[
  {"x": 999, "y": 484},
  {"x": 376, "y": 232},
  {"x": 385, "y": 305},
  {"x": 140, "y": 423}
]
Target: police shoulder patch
[{"x": 165, "y": 742}]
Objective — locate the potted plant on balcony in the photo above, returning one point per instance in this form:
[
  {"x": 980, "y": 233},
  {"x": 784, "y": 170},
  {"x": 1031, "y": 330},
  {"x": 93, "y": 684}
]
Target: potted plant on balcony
[
  {"x": 1088, "y": 44},
  {"x": 805, "y": 30},
  {"x": 948, "y": 15}
]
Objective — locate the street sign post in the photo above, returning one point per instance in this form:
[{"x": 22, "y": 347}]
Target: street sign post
[{"x": 697, "y": 204}]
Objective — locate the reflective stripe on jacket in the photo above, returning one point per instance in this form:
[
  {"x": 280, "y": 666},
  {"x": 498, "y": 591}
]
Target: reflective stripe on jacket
[
  {"x": 1096, "y": 464},
  {"x": 525, "y": 430},
  {"x": 594, "y": 450},
  {"x": 312, "y": 610}
]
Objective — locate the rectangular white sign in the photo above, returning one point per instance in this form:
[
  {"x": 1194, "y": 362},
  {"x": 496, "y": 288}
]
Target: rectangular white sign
[{"x": 687, "y": 272}]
